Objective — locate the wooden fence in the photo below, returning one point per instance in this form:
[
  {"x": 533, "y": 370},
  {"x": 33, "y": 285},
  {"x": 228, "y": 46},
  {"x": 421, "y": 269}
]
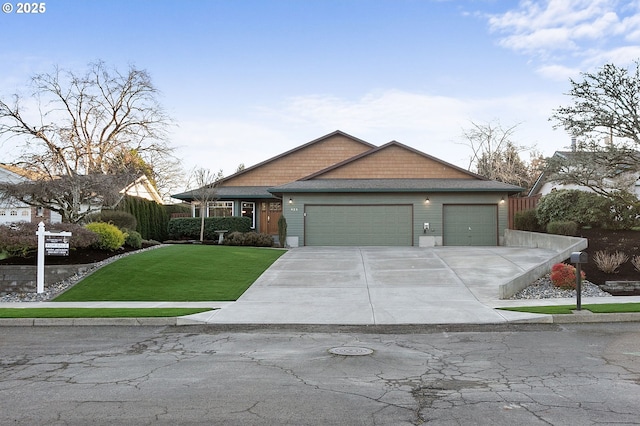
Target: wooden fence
[{"x": 518, "y": 204}]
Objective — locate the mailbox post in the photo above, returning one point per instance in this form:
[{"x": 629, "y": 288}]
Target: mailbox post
[{"x": 578, "y": 258}]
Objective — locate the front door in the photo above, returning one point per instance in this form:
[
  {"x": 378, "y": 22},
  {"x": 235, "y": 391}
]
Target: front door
[{"x": 270, "y": 212}]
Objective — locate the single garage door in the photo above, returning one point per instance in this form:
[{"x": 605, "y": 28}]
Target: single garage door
[
  {"x": 358, "y": 225},
  {"x": 470, "y": 225}
]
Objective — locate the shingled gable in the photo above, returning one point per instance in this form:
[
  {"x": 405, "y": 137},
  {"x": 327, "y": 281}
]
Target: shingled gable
[
  {"x": 393, "y": 161},
  {"x": 300, "y": 162}
]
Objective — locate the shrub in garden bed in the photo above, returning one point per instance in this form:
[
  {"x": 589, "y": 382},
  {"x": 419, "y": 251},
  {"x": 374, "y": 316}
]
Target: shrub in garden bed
[
  {"x": 252, "y": 239},
  {"x": 564, "y": 275},
  {"x": 609, "y": 262},
  {"x": 19, "y": 239},
  {"x": 568, "y": 227},
  {"x": 110, "y": 237}
]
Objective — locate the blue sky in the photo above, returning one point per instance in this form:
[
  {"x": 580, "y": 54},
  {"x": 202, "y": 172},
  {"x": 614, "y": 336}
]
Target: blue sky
[{"x": 246, "y": 80}]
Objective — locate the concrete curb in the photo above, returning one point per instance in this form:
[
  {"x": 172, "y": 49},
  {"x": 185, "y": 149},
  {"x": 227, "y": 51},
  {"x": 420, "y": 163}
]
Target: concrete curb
[
  {"x": 72, "y": 322},
  {"x": 577, "y": 318}
]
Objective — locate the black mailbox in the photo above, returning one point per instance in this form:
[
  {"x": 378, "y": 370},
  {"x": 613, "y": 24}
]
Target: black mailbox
[{"x": 579, "y": 257}]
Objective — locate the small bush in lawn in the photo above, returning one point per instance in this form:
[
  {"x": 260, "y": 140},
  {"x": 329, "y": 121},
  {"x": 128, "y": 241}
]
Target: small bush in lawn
[
  {"x": 133, "y": 239},
  {"x": 110, "y": 237},
  {"x": 564, "y": 275},
  {"x": 609, "y": 262},
  {"x": 562, "y": 228},
  {"x": 635, "y": 261}
]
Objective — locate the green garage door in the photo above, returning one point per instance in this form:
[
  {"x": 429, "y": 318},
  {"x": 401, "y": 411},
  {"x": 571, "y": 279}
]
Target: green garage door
[
  {"x": 470, "y": 225},
  {"x": 358, "y": 225}
]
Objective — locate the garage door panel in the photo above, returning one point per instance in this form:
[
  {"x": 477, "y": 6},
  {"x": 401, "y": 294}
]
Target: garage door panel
[
  {"x": 359, "y": 225},
  {"x": 470, "y": 225}
]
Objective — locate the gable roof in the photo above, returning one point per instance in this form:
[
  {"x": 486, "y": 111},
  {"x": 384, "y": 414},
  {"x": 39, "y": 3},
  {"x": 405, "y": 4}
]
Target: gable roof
[
  {"x": 300, "y": 161},
  {"x": 393, "y": 161}
]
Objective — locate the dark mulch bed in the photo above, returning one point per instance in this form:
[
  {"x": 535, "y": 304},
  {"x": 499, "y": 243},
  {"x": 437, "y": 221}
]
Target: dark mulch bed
[
  {"x": 76, "y": 257},
  {"x": 611, "y": 241}
]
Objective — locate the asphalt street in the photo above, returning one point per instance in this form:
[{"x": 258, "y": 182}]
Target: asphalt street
[{"x": 495, "y": 375}]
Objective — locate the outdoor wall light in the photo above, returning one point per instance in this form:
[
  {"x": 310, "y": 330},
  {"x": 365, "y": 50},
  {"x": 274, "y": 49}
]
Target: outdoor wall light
[
  {"x": 426, "y": 200},
  {"x": 290, "y": 200},
  {"x": 502, "y": 200}
]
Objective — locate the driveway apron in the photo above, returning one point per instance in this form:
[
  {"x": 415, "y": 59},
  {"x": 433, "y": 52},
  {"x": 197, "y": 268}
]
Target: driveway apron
[{"x": 379, "y": 285}]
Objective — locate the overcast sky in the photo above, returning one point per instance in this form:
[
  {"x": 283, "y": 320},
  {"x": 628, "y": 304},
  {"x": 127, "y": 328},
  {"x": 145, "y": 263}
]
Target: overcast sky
[{"x": 246, "y": 80}]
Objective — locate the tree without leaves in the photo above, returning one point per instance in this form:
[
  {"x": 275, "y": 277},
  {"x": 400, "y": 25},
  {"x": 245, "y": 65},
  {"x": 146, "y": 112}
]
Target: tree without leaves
[
  {"x": 605, "y": 104},
  {"x": 495, "y": 155},
  {"x": 605, "y": 118},
  {"x": 206, "y": 182},
  {"x": 86, "y": 125}
]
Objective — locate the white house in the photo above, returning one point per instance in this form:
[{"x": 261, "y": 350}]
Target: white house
[{"x": 12, "y": 210}]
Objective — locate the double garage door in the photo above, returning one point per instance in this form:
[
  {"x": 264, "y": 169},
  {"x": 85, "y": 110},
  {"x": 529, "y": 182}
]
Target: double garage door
[{"x": 358, "y": 225}]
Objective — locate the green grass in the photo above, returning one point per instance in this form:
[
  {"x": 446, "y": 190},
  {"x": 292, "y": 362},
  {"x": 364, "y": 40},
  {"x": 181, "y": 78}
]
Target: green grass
[
  {"x": 97, "y": 312},
  {"x": 176, "y": 273},
  {"x": 605, "y": 308}
]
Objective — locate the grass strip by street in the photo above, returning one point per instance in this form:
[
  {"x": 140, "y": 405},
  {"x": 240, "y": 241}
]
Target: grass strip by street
[
  {"x": 98, "y": 312},
  {"x": 605, "y": 308},
  {"x": 177, "y": 273}
]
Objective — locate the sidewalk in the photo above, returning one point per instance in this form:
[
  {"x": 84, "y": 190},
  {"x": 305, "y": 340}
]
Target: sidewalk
[{"x": 372, "y": 286}]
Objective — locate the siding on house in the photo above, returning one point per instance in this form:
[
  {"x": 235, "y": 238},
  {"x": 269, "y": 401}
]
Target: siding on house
[
  {"x": 394, "y": 162},
  {"x": 300, "y": 162}
]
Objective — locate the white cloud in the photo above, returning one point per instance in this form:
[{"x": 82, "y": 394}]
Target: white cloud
[
  {"x": 558, "y": 72},
  {"x": 432, "y": 124},
  {"x": 565, "y": 35}
]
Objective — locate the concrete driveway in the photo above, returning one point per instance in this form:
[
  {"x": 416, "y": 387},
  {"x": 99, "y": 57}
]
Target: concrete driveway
[{"x": 381, "y": 285}]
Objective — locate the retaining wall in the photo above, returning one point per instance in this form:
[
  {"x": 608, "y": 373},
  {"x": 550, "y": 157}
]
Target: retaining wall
[
  {"x": 22, "y": 278},
  {"x": 562, "y": 245}
]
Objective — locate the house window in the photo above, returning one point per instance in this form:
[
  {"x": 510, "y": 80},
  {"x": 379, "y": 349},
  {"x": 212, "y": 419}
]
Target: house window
[
  {"x": 220, "y": 209},
  {"x": 25, "y": 212},
  {"x": 3, "y": 213},
  {"x": 14, "y": 213},
  {"x": 248, "y": 210}
]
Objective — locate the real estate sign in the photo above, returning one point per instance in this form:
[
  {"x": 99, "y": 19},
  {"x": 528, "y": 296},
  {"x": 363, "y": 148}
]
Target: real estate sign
[{"x": 56, "y": 245}]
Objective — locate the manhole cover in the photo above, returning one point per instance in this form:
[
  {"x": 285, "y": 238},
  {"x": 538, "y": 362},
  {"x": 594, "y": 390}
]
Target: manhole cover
[{"x": 350, "y": 351}]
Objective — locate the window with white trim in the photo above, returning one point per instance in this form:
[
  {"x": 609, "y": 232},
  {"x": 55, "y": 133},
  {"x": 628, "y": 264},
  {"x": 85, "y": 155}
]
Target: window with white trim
[
  {"x": 249, "y": 210},
  {"x": 14, "y": 213},
  {"x": 220, "y": 209}
]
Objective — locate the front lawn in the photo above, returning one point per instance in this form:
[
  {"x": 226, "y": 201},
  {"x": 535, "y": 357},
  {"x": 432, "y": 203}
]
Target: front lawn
[
  {"x": 98, "y": 312},
  {"x": 605, "y": 308},
  {"x": 176, "y": 273}
]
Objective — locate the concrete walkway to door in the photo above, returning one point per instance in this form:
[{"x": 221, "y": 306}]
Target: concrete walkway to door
[{"x": 381, "y": 285}]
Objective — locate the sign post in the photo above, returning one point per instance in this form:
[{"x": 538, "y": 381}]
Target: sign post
[{"x": 51, "y": 244}]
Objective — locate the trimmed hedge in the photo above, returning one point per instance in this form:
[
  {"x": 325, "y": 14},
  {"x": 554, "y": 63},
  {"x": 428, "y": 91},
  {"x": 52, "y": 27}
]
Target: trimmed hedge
[
  {"x": 119, "y": 218},
  {"x": 252, "y": 239},
  {"x": 566, "y": 227},
  {"x": 526, "y": 220},
  {"x": 152, "y": 217},
  {"x": 188, "y": 228}
]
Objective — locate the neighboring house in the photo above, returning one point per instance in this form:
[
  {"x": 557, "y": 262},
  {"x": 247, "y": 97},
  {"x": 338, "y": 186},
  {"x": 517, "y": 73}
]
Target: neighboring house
[
  {"x": 544, "y": 185},
  {"x": 340, "y": 190},
  {"x": 14, "y": 210},
  {"x": 143, "y": 188}
]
